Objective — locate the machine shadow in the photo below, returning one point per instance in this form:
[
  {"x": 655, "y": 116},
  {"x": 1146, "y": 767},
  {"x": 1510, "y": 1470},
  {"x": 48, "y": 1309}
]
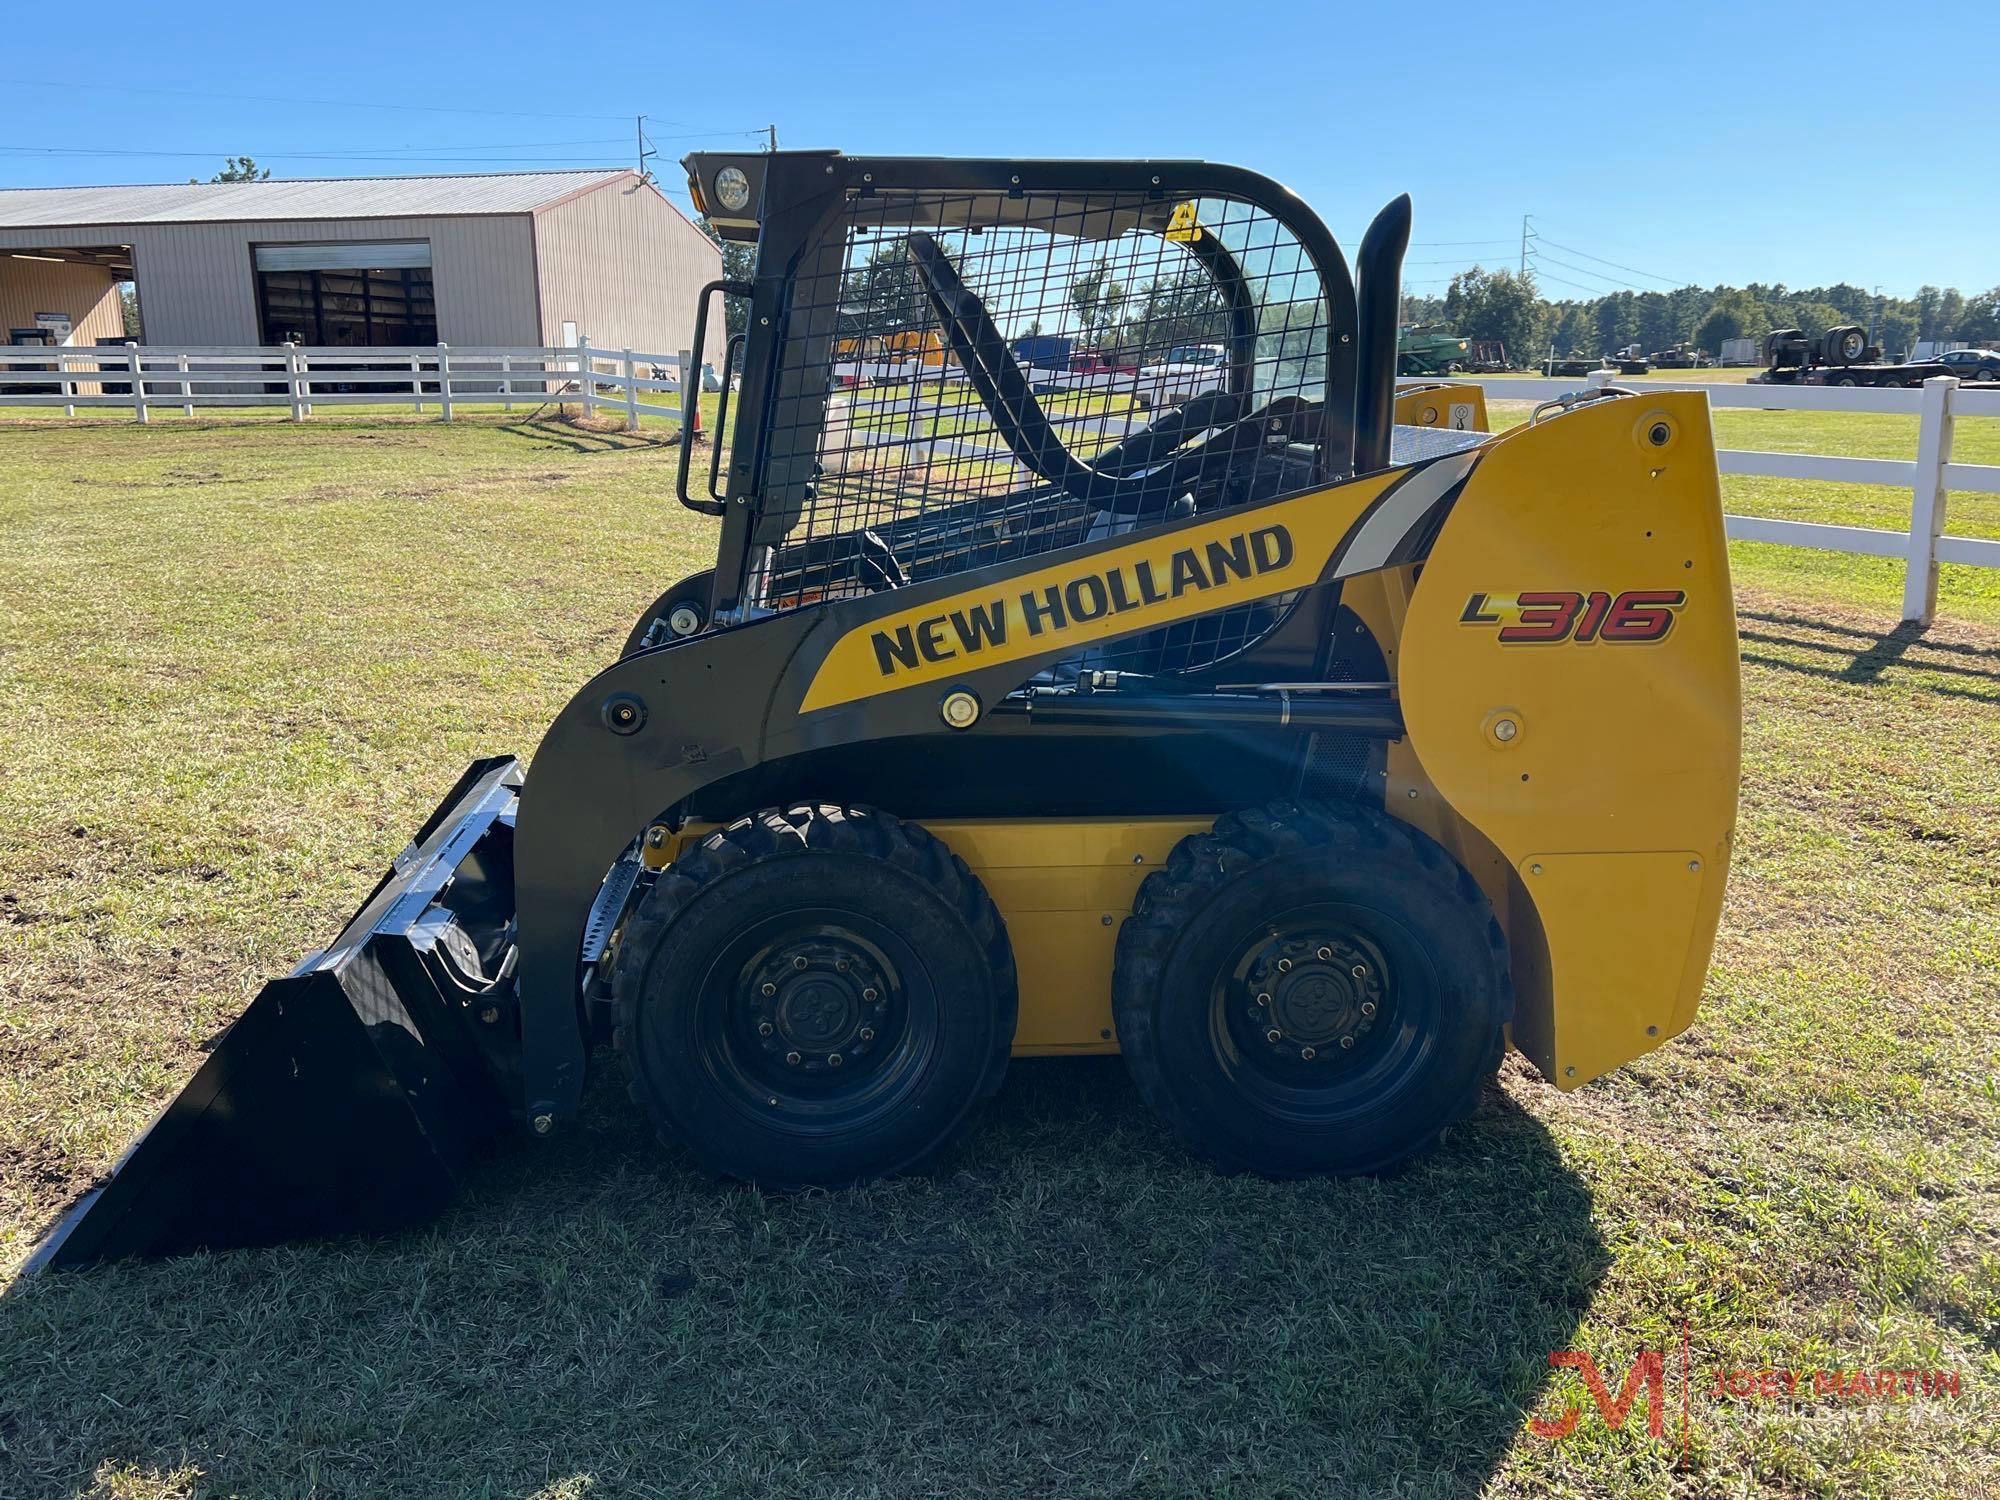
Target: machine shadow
[{"x": 1071, "y": 1290}]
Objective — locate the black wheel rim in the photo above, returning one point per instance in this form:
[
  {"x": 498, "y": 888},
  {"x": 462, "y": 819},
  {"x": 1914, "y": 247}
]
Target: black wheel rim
[
  {"x": 1323, "y": 1012},
  {"x": 817, "y": 1021}
]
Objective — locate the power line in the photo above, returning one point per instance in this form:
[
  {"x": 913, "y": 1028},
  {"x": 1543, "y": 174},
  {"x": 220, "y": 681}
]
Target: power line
[
  {"x": 408, "y": 155},
  {"x": 426, "y": 109},
  {"x": 374, "y": 151},
  {"x": 1586, "y": 271},
  {"x": 1594, "y": 293},
  {"x": 1615, "y": 265}
]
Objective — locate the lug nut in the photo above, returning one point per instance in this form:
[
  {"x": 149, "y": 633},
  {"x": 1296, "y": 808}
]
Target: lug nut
[
  {"x": 799, "y": 962},
  {"x": 1367, "y": 1007},
  {"x": 833, "y": 1059},
  {"x": 842, "y": 965},
  {"x": 1274, "y": 1035},
  {"x": 1324, "y": 954},
  {"x": 868, "y": 1033},
  {"x": 1308, "y": 1053},
  {"x": 1347, "y": 1041},
  {"x": 765, "y": 1028},
  {"x": 793, "y": 1058},
  {"x": 1284, "y": 966},
  {"x": 545, "y": 1123},
  {"x": 1360, "y": 971},
  {"x": 1263, "y": 999},
  {"x": 769, "y": 989},
  {"x": 871, "y": 994}
]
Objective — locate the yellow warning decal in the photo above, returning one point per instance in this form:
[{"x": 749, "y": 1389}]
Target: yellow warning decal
[{"x": 1184, "y": 226}]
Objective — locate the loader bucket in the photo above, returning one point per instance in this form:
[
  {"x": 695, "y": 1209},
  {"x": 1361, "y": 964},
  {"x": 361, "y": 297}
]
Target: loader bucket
[{"x": 353, "y": 1093}]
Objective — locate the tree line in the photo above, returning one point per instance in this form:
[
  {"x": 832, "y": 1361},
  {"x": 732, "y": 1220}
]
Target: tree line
[
  {"x": 1508, "y": 306},
  {"x": 882, "y": 293}
]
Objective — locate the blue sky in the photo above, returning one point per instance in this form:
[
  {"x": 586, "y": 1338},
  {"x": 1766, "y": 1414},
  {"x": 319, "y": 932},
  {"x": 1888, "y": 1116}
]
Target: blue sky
[{"x": 1653, "y": 144}]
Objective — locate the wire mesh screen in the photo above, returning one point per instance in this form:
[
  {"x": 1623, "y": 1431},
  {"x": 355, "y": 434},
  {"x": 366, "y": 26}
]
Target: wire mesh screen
[{"x": 971, "y": 378}]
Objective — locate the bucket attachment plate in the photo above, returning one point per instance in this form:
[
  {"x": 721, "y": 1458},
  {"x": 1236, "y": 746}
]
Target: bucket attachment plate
[{"x": 352, "y": 1094}]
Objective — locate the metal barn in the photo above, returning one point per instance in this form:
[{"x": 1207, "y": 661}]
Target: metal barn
[{"x": 505, "y": 260}]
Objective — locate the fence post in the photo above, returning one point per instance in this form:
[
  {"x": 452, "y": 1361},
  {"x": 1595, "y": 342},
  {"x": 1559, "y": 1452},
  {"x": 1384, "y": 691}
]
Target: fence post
[
  {"x": 68, "y": 385},
  {"x": 138, "y": 385},
  {"x": 417, "y": 381},
  {"x": 631, "y": 393},
  {"x": 444, "y": 381},
  {"x": 187, "y": 397},
  {"x": 292, "y": 381},
  {"x": 1927, "y": 499},
  {"x": 586, "y": 376},
  {"x": 506, "y": 382},
  {"x": 690, "y": 391}
]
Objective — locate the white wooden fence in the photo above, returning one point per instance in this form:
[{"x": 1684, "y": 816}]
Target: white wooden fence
[
  {"x": 1929, "y": 474},
  {"x": 143, "y": 379}
]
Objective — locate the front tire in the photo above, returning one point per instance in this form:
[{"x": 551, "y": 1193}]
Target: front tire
[
  {"x": 814, "y": 997},
  {"x": 1310, "y": 989}
]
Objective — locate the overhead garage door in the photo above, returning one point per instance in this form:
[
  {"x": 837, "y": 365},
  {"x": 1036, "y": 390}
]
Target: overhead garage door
[{"x": 353, "y": 294}]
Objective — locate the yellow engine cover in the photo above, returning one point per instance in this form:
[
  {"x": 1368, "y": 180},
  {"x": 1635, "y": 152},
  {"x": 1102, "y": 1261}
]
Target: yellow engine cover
[{"x": 1568, "y": 673}]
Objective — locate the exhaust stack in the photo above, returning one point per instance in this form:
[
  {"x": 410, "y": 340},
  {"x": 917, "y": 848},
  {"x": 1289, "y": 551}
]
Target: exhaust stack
[{"x": 1378, "y": 295}]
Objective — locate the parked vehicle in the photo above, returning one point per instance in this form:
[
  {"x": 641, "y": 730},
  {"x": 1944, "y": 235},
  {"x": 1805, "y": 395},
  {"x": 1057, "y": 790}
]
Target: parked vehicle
[
  {"x": 1972, "y": 364},
  {"x": 1681, "y": 356},
  {"x": 1426, "y": 349},
  {"x": 1103, "y": 362},
  {"x": 1840, "y": 356},
  {"x": 945, "y": 760},
  {"x": 1631, "y": 362},
  {"x": 1043, "y": 351},
  {"x": 1572, "y": 364}
]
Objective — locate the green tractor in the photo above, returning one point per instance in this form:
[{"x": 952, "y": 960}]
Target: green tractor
[{"x": 1427, "y": 349}]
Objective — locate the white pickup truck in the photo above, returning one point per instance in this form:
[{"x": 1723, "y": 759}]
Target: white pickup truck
[{"x": 1188, "y": 370}]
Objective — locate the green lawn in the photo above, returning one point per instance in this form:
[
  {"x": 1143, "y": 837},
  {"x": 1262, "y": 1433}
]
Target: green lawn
[{"x": 240, "y": 660}]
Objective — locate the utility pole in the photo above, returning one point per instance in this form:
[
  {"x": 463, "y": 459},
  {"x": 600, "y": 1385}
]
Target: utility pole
[
  {"x": 1527, "y": 234},
  {"x": 772, "y": 130},
  {"x": 639, "y": 129}
]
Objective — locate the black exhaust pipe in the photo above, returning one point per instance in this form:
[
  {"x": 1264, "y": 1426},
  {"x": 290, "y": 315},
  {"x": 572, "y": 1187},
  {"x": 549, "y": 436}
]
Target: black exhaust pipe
[{"x": 1379, "y": 295}]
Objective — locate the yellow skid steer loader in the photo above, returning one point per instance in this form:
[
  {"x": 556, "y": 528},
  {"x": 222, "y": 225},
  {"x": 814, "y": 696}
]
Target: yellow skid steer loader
[{"x": 1303, "y": 743}]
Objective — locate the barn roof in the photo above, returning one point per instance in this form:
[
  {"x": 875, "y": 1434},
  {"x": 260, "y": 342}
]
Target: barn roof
[{"x": 308, "y": 198}]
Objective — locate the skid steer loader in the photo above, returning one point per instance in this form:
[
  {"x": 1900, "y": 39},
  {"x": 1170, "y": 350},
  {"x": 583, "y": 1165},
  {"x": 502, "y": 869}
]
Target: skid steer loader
[{"x": 1302, "y": 754}]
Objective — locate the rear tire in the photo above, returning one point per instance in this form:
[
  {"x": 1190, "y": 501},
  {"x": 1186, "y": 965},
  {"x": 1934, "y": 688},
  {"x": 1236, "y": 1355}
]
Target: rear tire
[
  {"x": 814, "y": 997},
  {"x": 1373, "y": 957}
]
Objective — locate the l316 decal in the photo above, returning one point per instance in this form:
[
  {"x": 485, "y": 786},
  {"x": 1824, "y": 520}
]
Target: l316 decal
[{"x": 1547, "y": 617}]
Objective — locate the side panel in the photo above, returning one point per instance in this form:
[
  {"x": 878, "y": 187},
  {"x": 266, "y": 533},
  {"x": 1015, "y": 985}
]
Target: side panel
[
  {"x": 1064, "y": 886},
  {"x": 1568, "y": 669}
]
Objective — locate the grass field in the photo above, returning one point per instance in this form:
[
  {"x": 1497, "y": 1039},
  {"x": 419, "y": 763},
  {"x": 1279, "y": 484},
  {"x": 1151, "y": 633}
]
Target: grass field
[{"x": 239, "y": 661}]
